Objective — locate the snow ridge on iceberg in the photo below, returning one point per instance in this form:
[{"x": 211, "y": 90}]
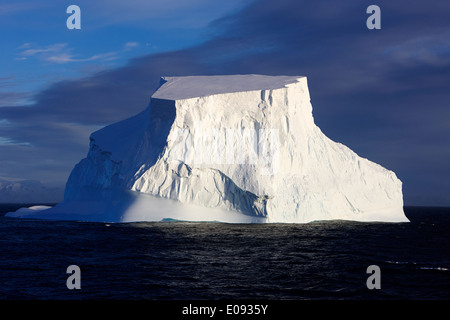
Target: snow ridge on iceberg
[{"x": 240, "y": 148}]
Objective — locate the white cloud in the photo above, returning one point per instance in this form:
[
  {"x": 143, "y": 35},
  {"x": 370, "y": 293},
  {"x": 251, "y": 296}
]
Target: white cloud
[
  {"x": 42, "y": 52},
  {"x": 12, "y": 98},
  {"x": 131, "y": 45},
  {"x": 65, "y": 58},
  {"x": 59, "y": 53},
  {"x": 429, "y": 49},
  {"x": 6, "y": 142},
  {"x": 25, "y": 45}
]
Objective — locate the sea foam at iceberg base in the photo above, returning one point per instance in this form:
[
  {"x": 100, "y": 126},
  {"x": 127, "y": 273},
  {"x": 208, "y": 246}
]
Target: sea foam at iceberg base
[{"x": 238, "y": 148}]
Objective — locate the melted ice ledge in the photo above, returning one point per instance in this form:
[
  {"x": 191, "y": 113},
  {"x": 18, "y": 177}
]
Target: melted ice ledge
[{"x": 240, "y": 148}]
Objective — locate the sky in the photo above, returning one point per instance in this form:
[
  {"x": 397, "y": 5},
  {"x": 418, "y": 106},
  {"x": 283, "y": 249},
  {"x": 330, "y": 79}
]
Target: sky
[{"x": 385, "y": 93}]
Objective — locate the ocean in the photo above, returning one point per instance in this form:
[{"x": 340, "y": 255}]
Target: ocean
[{"x": 213, "y": 261}]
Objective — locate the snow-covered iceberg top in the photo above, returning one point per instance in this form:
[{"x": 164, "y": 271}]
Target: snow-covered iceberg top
[
  {"x": 178, "y": 88},
  {"x": 240, "y": 148}
]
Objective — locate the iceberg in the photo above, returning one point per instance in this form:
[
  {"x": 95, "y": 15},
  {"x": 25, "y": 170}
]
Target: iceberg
[{"x": 235, "y": 148}]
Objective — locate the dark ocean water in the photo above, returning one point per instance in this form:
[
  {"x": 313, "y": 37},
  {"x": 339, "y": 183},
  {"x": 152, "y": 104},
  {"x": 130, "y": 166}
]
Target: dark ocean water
[{"x": 182, "y": 260}]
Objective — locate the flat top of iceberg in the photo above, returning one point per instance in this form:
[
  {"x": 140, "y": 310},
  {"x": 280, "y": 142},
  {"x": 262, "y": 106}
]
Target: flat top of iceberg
[{"x": 177, "y": 88}]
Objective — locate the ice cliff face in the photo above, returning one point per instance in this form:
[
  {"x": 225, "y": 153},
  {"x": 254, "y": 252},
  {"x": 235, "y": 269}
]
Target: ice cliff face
[{"x": 243, "y": 144}]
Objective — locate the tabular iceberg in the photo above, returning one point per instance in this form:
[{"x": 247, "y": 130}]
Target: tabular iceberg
[{"x": 239, "y": 148}]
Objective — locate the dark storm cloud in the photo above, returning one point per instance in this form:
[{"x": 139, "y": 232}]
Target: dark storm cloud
[{"x": 384, "y": 93}]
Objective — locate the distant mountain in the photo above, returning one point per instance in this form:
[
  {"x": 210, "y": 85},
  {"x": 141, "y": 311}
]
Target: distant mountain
[{"x": 28, "y": 191}]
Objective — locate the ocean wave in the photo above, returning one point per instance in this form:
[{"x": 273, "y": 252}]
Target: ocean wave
[
  {"x": 400, "y": 262},
  {"x": 434, "y": 268},
  {"x": 419, "y": 267}
]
